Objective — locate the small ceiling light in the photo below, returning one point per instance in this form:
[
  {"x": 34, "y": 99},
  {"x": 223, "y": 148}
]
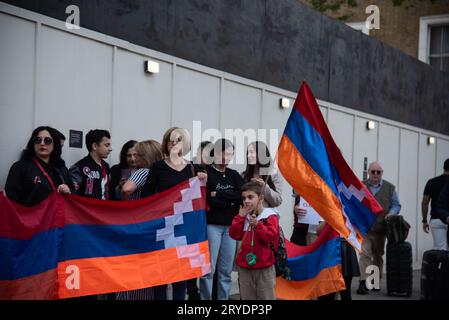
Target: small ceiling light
[
  {"x": 151, "y": 66},
  {"x": 370, "y": 125},
  {"x": 431, "y": 140},
  {"x": 285, "y": 103}
]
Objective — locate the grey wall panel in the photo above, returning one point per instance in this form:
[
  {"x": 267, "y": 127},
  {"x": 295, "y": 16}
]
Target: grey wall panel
[
  {"x": 196, "y": 98},
  {"x": 240, "y": 116},
  {"x": 426, "y": 171},
  {"x": 389, "y": 152},
  {"x": 341, "y": 126},
  {"x": 17, "y": 53},
  {"x": 75, "y": 85},
  {"x": 142, "y": 102},
  {"x": 365, "y": 145},
  {"x": 442, "y": 154},
  {"x": 408, "y": 180},
  {"x": 274, "y": 119},
  {"x": 325, "y": 113}
]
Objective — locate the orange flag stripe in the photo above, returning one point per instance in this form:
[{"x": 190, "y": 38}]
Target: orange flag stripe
[
  {"x": 130, "y": 272},
  {"x": 309, "y": 185},
  {"x": 327, "y": 281}
]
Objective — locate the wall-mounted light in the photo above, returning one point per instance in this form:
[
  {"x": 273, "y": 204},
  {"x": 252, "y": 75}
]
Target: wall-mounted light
[
  {"x": 151, "y": 66},
  {"x": 285, "y": 103},
  {"x": 370, "y": 125},
  {"x": 431, "y": 140}
]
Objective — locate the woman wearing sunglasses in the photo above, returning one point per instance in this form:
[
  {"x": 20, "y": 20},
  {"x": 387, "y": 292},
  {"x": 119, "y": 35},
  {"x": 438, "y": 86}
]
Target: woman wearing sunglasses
[{"x": 40, "y": 170}]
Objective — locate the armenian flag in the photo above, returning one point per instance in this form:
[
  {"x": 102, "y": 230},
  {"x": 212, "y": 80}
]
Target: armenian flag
[
  {"x": 312, "y": 163},
  {"x": 70, "y": 246}
]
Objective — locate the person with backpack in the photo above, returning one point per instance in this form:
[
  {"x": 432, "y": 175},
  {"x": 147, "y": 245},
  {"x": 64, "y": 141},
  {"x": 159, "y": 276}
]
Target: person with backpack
[{"x": 258, "y": 230}]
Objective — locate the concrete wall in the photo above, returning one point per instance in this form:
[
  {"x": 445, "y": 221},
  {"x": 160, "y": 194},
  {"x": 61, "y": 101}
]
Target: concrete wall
[
  {"x": 83, "y": 80},
  {"x": 278, "y": 42}
]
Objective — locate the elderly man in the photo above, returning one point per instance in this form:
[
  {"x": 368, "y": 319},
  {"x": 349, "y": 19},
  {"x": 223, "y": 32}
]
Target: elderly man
[{"x": 373, "y": 245}]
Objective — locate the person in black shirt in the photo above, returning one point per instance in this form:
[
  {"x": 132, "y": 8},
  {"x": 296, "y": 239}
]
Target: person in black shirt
[
  {"x": 166, "y": 174},
  {"x": 40, "y": 170},
  {"x": 122, "y": 171},
  {"x": 91, "y": 174},
  {"x": 224, "y": 200},
  {"x": 431, "y": 192},
  {"x": 442, "y": 206}
]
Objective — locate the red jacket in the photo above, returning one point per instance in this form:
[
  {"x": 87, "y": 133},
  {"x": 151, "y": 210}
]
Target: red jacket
[{"x": 265, "y": 232}]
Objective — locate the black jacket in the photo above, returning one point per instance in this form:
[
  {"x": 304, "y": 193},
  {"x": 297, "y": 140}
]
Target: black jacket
[
  {"x": 88, "y": 175},
  {"x": 27, "y": 185},
  {"x": 225, "y": 205}
]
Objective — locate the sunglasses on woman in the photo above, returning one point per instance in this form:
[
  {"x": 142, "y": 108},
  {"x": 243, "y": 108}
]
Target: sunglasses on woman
[{"x": 47, "y": 140}]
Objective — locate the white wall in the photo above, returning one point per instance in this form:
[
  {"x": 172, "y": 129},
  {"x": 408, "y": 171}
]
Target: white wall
[{"x": 83, "y": 80}]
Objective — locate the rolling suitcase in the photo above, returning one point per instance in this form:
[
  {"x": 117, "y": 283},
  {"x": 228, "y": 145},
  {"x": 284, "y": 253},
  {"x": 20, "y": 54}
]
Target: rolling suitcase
[
  {"x": 435, "y": 275},
  {"x": 399, "y": 269}
]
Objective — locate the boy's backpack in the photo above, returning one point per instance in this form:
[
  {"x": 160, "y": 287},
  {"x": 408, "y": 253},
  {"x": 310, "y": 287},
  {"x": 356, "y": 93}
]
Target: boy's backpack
[{"x": 280, "y": 256}]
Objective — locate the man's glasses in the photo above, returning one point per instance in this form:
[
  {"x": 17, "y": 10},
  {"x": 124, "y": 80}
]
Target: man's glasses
[
  {"x": 47, "y": 140},
  {"x": 376, "y": 171}
]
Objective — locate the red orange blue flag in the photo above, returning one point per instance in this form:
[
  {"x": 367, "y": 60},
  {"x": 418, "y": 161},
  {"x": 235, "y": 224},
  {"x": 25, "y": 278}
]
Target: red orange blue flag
[
  {"x": 69, "y": 246},
  {"x": 311, "y": 162},
  {"x": 315, "y": 270}
]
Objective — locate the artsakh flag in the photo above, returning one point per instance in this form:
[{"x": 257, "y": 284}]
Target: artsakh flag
[
  {"x": 70, "y": 246},
  {"x": 312, "y": 163},
  {"x": 315, "y": 270}
]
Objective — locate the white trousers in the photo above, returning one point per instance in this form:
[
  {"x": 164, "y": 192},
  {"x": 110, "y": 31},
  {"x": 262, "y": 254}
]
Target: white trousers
[{"x": 439, "y": 234}]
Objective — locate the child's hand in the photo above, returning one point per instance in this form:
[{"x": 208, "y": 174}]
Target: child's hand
[
  {"x": 253, "y": 220},
  {"x": 243, "y": 211}
]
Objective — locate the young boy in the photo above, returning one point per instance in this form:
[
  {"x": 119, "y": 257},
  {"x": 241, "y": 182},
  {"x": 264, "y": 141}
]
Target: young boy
[
  {"x": 91, "y": 174},
  {"x": 258, "y": 228}
]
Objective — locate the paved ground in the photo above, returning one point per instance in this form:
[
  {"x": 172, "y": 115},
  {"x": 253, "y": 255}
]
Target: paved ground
[{"x": 381, "y": 295}]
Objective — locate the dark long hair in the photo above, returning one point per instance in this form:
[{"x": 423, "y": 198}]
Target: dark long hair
[
  {"x": 261, "y": 150},
  {"x": 130, "y": 144},
  {"x": 55, "y": 156}
]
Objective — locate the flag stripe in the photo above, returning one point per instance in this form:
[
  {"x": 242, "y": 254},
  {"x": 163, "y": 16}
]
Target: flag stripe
[
  {"x": 327, "y": 281},
  {"x": 307, "y": 106},
  {"x": 359, "y": 215},
  {"x": 310, "y": 185},
  {"x": 130, "y": 272},
  {"x": 42, "y": 286},
  {"x": 311, "y": 146},
  {"x": 86, "y": 241},
  {"x": 308, "y": 266},
  {"x": 23, "y": 223},
  {"x": 24, "y": 258}
]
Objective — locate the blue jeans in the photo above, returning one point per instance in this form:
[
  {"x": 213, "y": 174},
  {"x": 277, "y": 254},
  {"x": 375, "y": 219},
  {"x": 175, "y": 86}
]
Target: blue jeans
[{"x": 222, "y": 252}]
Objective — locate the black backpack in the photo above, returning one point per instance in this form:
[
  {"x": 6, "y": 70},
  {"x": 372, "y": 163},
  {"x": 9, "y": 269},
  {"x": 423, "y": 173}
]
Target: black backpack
[{"x": 280, "y": 256}]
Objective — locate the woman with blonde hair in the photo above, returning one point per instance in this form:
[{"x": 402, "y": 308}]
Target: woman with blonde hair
[
  {"x": 167, "y": 173},
  {"x": 147, "y": 153}
]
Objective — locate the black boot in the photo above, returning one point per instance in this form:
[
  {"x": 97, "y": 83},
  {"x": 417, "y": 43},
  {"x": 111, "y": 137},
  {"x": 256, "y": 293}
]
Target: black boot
[{"x": 362, "y": 288}]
